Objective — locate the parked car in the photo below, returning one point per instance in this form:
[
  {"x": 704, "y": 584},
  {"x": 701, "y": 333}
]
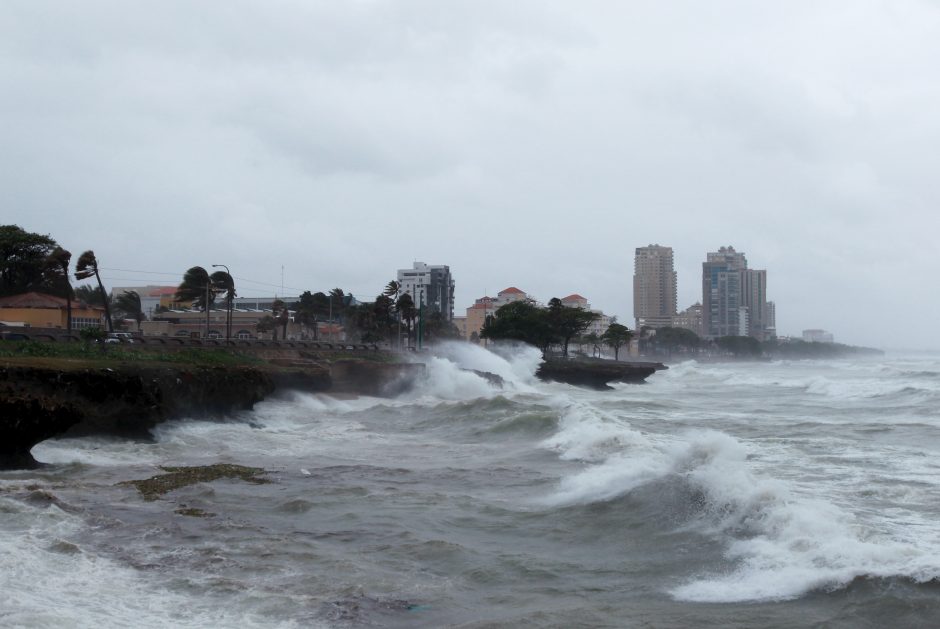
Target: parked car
[{"x": 119, "y": 337}]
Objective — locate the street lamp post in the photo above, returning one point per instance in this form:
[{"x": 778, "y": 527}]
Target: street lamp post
[{"x": 228, "y": 302}]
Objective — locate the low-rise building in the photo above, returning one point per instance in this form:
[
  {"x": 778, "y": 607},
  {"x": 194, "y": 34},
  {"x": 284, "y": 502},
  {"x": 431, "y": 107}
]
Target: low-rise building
[
  {"x": 818, "y": 336},
  {"x": 690, "y": 319},
  {"x": 39, "y": 310}
]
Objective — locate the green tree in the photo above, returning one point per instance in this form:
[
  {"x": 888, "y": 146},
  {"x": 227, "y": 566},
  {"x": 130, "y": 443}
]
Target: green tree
[
  {"x": 384, "y": 309},
  {"x": 59, "y": 260},
  {"x": 338, "y": 302},
  {"x": 267, "y": 324},
  {"x": 437, "y": 328},
  {"x": 407, "y": 313},
  {"x": 86, "y": 267},
  {"x": 128, "y": 303},
  {"x": 197, "y": 288},
  {"x": 91, "y": 295},
  {"x": 568, "y": 323},
  {"x": 520, "y": 321},
  {"x": 668, "y": 340},
  {"x": 224, "y": 284},
  {"x": 281, "y": 317},
  {"x": 740, "y": 346},
  {"x": 616, "y": 336},
  {"x": 24, "y": 262}
]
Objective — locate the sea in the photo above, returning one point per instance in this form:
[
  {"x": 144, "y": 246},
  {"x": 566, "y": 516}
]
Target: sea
[{"x": 751, "y": 494}]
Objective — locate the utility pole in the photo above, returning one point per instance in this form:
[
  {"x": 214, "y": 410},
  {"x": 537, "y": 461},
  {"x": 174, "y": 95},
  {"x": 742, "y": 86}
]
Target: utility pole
[{"x": 420, "y": 318}]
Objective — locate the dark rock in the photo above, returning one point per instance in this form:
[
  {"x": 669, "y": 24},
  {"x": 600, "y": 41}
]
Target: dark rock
[
  {"x": 374, "y": 378},
  {"x": 595, "y": 374},
  {"x": 37, "y": 403},
  {"x": 492, "y": 378},
  {"x": 177, "y": 477}
]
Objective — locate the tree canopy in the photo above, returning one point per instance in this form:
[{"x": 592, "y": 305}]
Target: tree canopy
[
  {"x": 740, "y": 345},
  {"x": 128, "y": 304},
  {"x": 25, "y": 263},
  {"x": 87, "y": 266},
  {"x": 542, "y": 327},
  {"x": 616, "y": 336}
]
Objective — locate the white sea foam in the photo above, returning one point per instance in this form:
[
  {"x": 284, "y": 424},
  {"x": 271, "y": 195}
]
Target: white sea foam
[
  {"x": 450, "y": 373},
  {"x": 48, "y": 581},
  {"x": 781, "y": 540}
]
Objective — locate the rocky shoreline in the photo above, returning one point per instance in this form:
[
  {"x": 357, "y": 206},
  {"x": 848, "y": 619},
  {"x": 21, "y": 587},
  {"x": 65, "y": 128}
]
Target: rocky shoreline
[
  {"x": 41, "y": 401},
  {"x": 44, "y": 399}
]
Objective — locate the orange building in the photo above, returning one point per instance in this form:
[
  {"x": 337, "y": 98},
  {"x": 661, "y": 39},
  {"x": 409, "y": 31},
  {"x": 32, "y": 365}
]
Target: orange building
[{"x": 38, "y": 310}]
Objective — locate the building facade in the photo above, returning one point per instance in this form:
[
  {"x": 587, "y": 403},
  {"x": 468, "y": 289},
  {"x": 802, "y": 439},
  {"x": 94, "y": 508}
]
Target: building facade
[
  {"x": 734, "y": 297},
  {"x": 690, "y": 319},
  {"x": 39, "y": 310},
  {"x": 486, "y": 306},
  {"x": 722, "y": 297},
  {"x": 430, "y": 285},
  {"x": 818, "y": 336},
  {"x": 654, "y": 286}
]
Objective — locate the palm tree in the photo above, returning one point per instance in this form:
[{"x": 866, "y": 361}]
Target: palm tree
[
  {"x": 59, "y": 259},
  {"x": 267, "y": 324},
  {"x": 87, "y": 266},
  {"x": 129, "y": 304},
  {"x": 197, "y": 289},
  {"x": 405, "y": 306},
  {"x": 281, "y": 316},
  {"x": 90, "y": 295},
  {"x": 224, "y": 284},
  {"x": 393, "y": 290}
]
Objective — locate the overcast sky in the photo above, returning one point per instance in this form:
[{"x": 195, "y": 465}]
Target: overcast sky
[{"x": 526, "y": 143}]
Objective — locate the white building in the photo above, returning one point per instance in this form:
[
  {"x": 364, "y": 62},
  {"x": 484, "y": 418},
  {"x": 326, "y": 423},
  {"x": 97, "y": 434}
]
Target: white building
[{"x": 430, "y": 285}]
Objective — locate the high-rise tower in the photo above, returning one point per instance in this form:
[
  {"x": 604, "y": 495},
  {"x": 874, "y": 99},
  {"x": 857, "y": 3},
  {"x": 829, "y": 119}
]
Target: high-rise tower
[
  {"x": 723, "y": 308},
  {"x": 654, "y": 287},
  {"x": 734, "y": 297}
]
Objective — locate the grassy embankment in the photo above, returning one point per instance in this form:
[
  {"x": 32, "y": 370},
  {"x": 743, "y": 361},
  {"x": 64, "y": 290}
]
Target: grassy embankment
[{"x": 90, "y": 355}]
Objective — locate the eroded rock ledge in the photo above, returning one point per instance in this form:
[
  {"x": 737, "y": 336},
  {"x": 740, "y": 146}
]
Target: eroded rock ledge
[
  {"x": 596, "y": 374},
  {"x": 37, "y": 403},
  {"x": 40, "y": 402}
]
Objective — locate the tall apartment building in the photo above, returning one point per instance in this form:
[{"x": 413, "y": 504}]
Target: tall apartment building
[
  {"x": 722, "y": 296},
  {"x": 654, "y": 286},
  {"x": 734, "y": 297},
  {"x": 431, "y": 285},
  {"x": 754, "y": 290}
]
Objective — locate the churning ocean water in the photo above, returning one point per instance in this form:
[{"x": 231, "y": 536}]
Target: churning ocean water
[{"x": 781, "y": 494}]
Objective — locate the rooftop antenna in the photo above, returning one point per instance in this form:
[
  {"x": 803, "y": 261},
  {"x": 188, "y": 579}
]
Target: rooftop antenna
[{"x": 282, "y": 280}]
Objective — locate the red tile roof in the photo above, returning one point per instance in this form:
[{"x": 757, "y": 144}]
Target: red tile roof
[
  {"x": 162, "y": 290},
  {"x": 513, "y": 290},
  {"x": 574, "y": 297},
  {"x": 32, "y": 300}
]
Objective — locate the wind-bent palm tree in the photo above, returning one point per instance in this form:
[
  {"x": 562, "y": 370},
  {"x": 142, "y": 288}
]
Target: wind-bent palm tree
[
  {"x": 393, "y": 292},
  {"x": 129, "y": 304},
  {"x": 59, "y": 259},
  {"x": 87, "y": 266},
  {"x": 223, "y": 283},
  {"x": 197, "y": 288}
]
